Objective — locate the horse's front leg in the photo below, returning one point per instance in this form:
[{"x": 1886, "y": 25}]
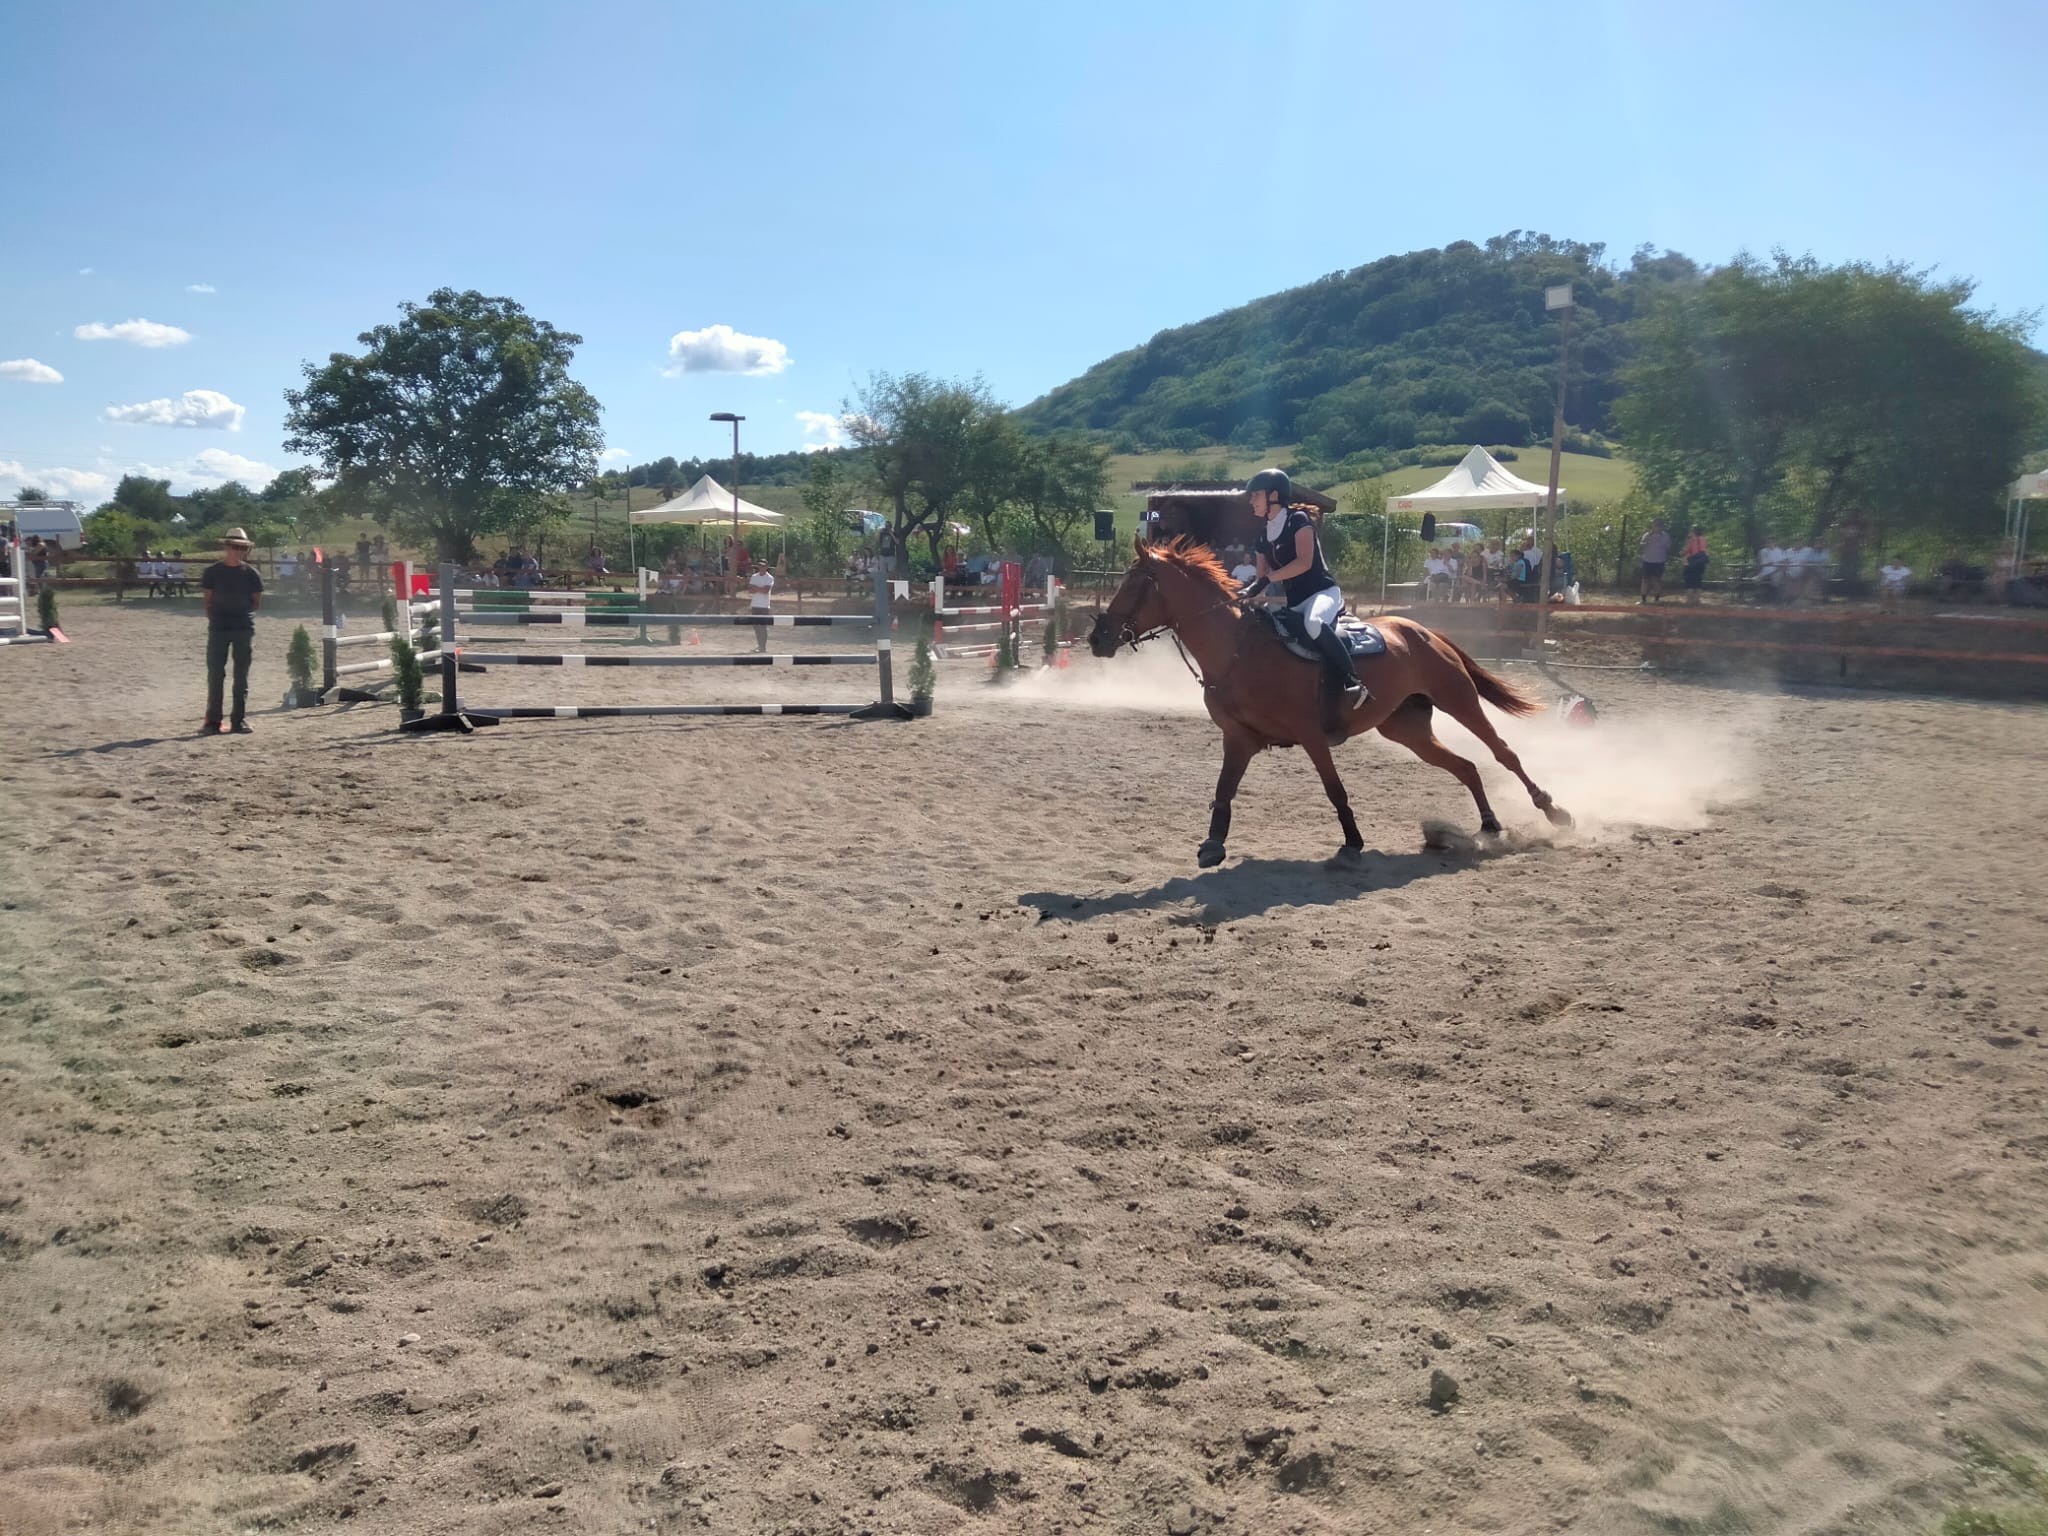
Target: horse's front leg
[
  {"x": 1318, "y": 750},
  {"x": 1237, "y": 755}
]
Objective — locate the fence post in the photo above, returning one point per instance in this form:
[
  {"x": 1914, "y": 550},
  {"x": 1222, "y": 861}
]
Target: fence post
[
  {"x": 886, "y": 707},
  {"x": 450, "y": 716},
  {"x": 329, "y": 632}
]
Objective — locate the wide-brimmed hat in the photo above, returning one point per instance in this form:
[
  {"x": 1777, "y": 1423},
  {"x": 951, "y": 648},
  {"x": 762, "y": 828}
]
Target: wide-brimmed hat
[{"x": 235, "y": 538}]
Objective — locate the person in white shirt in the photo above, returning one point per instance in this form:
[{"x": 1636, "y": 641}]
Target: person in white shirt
[
  {"x": 1436, "y": 577},
  {"x": 147, "y": 569},
  {"x": 760, "y": 601},
  {"x": 1892, "y": 580},
  {"x": 1770, "y": 573},
  {"x": 174, "y": 576}
]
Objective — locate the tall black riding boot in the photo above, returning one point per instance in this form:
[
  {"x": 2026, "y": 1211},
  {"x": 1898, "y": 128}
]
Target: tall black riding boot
[{"x": 1346, "y": 692}]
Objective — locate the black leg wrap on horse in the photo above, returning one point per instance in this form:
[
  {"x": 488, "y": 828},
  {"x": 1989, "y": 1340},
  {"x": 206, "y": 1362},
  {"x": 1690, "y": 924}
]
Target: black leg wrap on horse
[{"x": 1219, "y": 820}]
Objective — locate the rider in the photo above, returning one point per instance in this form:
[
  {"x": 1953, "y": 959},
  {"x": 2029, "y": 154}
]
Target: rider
[{"x": 1289, "y": 553}]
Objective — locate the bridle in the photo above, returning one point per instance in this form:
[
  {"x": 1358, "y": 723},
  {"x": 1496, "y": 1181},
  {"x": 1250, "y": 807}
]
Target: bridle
[{"x": 1126, "y": 635}]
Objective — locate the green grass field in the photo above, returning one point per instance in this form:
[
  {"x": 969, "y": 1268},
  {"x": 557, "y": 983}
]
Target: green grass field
[{"x": 1586, "y": 479}]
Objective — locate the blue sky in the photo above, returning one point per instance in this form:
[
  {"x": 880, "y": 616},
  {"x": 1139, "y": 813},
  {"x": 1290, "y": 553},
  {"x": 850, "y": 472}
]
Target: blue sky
[{"x": 1017, "y": 191}]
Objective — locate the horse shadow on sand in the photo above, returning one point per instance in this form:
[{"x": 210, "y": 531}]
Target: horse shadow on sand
[{"x": 1252, "y": 886}]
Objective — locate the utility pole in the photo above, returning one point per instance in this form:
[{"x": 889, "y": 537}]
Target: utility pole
[
  {"x": 735, "y": 420},
  {"x": 1559, "y": 297}
]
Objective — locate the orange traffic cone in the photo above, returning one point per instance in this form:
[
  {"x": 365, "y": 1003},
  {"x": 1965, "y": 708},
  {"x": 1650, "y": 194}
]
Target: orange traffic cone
[
  {"x": 693, "y": 637},
  {"x": 1061, "y": 653}
]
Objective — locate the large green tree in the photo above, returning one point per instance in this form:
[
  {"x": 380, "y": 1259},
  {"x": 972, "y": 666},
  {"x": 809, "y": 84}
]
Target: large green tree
[
  {"x": 1785, "y": 393},
  {"x": 934, "y": 448},
  {"x": 1058, "y": 483},
  {"x": 458, "y": 421}
]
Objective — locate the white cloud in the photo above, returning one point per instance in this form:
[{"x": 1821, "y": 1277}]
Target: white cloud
[
  {"x": 201, "y": 288},
  {"x": 616, "y": 456},
  {"x": 821, "y": 431},
  {"x": 85, "y": 271},
  {"x": 144, "y": 333},
  {"x": 721, "y": 349},
  {"x": 194, "y": 408},
  {"x": 65, "y": 484},
  {"x": 211, "y": 466},
  {"x": 29, "y": 371}
]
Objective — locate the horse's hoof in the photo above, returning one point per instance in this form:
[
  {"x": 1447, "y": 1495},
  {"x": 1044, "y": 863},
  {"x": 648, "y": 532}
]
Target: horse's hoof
[
  {"x": 1559, "y": 816},
  {"x": 1209, "y": 855},
  {"x": 1489, "y": 827},
  {"x": 1346, "y": 857}
]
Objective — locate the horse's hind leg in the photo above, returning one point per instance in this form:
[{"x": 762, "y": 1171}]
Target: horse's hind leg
[
  {"x": 1318, "y": 751},
  {"x": 1237, "y": 754},
  {"x": 1409, "y": 725},
  {"x": 1464, "y": 707}
]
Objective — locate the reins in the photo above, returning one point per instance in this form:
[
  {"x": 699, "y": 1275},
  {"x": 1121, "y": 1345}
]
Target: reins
[{"x": 1227, "y": 601}]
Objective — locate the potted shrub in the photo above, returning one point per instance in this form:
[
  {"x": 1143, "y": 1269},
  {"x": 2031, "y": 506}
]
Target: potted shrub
[
  {"x": 298, "y": 661},
  {"x": 405, "y": 671},
  {"x": 923, "y": 677}
]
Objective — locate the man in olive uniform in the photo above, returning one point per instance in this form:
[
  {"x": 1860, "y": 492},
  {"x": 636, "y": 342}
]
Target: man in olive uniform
[{"x": 233, "y": 592}]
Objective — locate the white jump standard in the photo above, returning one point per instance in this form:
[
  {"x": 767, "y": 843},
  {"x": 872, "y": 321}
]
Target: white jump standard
[
  {"x": 14, "y": 625},
  {"x": 332, "y": 640},
  {"x": 454, "y": 716}
]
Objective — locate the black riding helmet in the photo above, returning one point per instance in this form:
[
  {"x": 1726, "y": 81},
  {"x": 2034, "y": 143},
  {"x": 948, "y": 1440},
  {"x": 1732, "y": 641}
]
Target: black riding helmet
[{"x": 1271, "y": 480}]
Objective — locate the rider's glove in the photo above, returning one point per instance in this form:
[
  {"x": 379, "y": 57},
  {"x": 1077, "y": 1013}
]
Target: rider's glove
[{"x": 1252, "y": 588}]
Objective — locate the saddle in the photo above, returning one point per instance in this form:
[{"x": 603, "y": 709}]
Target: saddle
[{"x": 1359, "y": 637}]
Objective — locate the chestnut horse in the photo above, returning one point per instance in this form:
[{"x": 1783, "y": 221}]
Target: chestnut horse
[{"x": 1261, "y": 695}]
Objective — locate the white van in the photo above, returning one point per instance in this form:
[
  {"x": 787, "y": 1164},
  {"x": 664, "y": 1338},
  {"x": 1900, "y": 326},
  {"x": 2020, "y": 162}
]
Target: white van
[{"x": 54, "y": 522}]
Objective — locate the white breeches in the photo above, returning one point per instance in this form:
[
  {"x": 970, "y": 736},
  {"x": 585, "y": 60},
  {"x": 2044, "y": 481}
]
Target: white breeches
[{"x": 1320, "y": 610}]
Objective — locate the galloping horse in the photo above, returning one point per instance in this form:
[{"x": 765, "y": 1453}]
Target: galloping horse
[{"x": 1259, "y": 695}]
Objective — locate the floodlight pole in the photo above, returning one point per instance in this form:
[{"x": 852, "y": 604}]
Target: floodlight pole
[
  {"x": 735, "y": 420},
  {"x": 1386, "y": 543},
  {"x": 1559, "y": 297}
]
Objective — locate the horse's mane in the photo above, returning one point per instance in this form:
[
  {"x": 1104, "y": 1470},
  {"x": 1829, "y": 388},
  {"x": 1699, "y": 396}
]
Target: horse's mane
[{"x": 1196, "y": 559}]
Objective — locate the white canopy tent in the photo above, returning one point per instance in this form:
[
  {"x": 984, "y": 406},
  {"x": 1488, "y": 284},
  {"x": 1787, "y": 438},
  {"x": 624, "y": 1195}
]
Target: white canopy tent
[
  {"x": 706, "y": 504},
  {"x": 1477, "y": 482}
]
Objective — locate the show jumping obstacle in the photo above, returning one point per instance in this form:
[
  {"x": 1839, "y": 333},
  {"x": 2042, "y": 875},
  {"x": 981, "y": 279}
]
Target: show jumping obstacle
[
  {"x": 333, "y": 641},
  {"x": 453, "y": 716},
  {"x": 993, "y": 620},
  {"x": 14, "y": 625}
]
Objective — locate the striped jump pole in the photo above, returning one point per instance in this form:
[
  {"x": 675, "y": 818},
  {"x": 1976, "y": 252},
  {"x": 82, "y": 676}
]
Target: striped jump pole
[
  {"x": 985, "y": 619},
  {"x": 453, "y": 717},
  {"x": 570, "y": 618},
  {"x": 764, "y": 659}
]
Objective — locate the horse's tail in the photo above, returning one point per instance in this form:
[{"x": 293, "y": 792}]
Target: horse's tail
[{"x": 1502, "y": 695}]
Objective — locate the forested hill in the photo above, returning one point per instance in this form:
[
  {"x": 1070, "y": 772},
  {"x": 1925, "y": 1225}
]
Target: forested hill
[{"x": 1440, "y": 346}]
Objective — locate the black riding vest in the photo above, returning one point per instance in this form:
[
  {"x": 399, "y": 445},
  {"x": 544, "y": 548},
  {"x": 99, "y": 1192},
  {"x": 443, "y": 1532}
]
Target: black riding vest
[{"x": 1309, "y": 582}]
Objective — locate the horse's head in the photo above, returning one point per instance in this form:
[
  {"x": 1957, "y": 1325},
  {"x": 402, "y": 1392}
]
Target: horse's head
[{"x": 1136, "y": 611}]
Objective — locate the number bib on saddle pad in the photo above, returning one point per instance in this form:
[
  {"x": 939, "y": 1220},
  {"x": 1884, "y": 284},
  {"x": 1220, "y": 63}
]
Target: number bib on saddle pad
[{"x": 1359, "y": 637}]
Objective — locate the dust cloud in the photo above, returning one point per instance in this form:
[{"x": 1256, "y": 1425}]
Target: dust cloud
[
  {"x": 1673, "y": 766},
  {"x": 1152, "y": 679}
]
